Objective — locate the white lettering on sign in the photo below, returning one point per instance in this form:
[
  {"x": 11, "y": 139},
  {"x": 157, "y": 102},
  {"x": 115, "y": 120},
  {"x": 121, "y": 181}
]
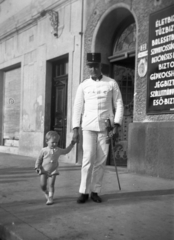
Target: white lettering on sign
[
  {"x": 164, "y": 57},
  {"x": 161, "y": 101},
  {"x": 164, "y": 92},
  {"x": 143, "y": 47},
  {"x": 166, "y": 65},
  {"x": 161, "y": 62},
  {"x": 161, "y": 40},
  {"x": 161, "y": 75},
  {"x": 163, "y": 21},
  {"x": 142, "y": 54},
  {"x": 164, "y": 30},
  {"x": 163, "y": 48},
  {"x": 165, "y": 83}
]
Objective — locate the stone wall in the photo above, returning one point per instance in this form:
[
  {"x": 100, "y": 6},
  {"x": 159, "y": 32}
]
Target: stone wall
[{"x": 150, "y": 148}]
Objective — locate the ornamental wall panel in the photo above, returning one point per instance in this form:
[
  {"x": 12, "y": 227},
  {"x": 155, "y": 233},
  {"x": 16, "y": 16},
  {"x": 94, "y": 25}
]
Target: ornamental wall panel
[{"x": 12, "y": 107}]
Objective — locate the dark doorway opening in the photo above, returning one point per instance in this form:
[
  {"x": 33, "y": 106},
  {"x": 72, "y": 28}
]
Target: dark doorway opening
[
  {"x": 59, "y": 99},
  {"x": 123, "y": 73}
]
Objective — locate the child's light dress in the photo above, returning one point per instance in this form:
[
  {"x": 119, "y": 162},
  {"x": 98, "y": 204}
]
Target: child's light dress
[{"x": 47, "y": 161}]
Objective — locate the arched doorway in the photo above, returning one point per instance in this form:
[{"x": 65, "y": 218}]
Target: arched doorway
[
  {"x": 122, "y": 70},
  {"x": 118, "y": 58}
]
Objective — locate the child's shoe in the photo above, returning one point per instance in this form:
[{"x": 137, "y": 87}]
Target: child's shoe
[{"x": 49, "y": 201}]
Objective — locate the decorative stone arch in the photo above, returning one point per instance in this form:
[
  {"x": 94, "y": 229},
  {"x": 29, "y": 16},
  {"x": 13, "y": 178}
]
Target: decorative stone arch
[
  {"x": 122, "y": 14},
  {"x": 103, "y": 14}
]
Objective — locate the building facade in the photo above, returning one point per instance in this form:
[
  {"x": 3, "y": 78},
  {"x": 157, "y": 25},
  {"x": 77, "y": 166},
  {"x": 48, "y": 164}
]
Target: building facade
[{"x": 43, "y": 46}]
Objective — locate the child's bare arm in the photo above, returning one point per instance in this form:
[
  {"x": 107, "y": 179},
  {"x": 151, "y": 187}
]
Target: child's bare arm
[
  {"x": 39, "y": 160},
  {"x": 68, "y": 149}
]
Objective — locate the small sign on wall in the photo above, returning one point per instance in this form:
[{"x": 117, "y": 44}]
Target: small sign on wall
[
  {"x": 143, "y": 51},
  {"x": 160, "y": 86},
  {"x": 142, "y": 67}
]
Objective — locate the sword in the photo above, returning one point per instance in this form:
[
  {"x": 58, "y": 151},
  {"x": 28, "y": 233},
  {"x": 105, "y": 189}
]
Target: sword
[{"x": 110, "y": 141}]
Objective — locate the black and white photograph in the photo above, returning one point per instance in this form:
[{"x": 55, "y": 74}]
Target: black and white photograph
[{"x": 86, "y": 119}]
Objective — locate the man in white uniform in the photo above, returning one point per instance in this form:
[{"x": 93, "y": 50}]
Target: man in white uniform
[{"x": 97, "y": 99}]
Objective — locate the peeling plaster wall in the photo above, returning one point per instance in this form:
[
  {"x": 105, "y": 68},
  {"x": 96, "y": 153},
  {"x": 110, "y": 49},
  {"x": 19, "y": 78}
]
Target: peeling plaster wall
[{"x": 26, "y": 38}]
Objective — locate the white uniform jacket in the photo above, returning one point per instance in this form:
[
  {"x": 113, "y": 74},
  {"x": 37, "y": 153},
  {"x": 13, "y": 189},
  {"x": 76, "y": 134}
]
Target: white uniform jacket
[{"x": 96, "y": 101}]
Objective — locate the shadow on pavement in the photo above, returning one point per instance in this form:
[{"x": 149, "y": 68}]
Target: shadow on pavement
[{"x": 137, "y": 194}]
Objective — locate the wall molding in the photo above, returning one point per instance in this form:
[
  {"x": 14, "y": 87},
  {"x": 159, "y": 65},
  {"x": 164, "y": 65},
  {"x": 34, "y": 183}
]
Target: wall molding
[{"x": 27, "y": 16}]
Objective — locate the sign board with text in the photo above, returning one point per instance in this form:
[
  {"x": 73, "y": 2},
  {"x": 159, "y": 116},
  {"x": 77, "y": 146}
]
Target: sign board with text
[{"x": 160, "y": 86}]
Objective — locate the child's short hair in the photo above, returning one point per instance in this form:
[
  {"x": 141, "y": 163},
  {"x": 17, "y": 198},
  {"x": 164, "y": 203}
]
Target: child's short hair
[{"x": 51, "y": 134}]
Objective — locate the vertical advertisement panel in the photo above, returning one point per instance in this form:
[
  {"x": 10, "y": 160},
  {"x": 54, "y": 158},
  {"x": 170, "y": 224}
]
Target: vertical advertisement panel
[{"x": 160, "y": 87}]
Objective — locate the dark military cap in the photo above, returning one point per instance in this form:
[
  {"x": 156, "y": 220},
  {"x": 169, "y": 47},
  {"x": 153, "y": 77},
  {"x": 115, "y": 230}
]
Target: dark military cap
[{"x": 93, "y": 58}]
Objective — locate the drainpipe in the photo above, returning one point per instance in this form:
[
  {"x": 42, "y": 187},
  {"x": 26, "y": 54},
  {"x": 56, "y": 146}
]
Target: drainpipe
[
  {"x": 81, "y": 57},
  {"x": 81, "y": 42}
]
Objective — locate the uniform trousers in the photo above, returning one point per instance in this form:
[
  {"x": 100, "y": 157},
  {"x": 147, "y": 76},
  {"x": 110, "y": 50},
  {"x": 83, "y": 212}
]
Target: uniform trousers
[{"x": 95, "y": 152}]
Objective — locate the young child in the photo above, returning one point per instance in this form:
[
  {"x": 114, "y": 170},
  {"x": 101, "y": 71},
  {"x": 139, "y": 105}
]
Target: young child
[{"x": 47, "y": 164}]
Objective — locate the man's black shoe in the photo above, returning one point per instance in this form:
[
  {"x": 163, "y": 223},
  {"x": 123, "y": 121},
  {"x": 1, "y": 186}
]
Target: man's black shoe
[
  {"x": 83, "y": 198},
  {"x": 95, "y": 197}
]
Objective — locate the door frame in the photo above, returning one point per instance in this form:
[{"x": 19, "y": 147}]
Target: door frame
[
  {"x": 58, "y": 74},
  {"x": 59, "y": 83},
  {"x": 2, "y": 71},
  {"x": 48, "y": 93}
]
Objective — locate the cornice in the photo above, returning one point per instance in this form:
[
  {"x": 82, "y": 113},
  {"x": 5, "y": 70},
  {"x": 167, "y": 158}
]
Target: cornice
[{"x": 26, "y": 17}]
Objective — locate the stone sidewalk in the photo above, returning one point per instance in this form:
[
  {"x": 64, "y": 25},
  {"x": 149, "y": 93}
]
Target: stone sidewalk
[{"x": 143, "y": 209}]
